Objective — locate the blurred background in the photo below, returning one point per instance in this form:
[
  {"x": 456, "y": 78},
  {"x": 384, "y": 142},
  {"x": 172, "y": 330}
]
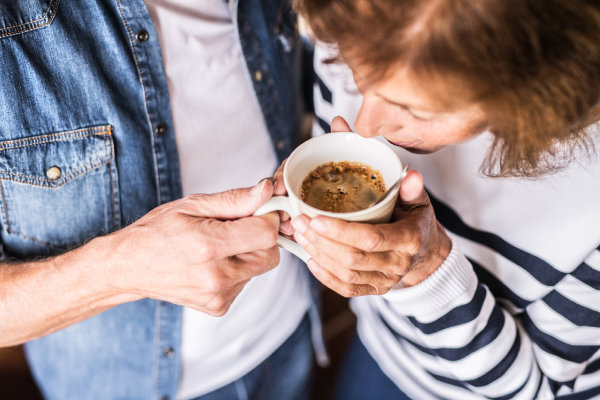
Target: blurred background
[{"x": 338, "y": 327}]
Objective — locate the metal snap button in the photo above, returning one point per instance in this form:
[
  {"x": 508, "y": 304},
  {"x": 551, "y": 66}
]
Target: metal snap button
[
  {"x": 142, "y": 36},
  {"x": 53, "y": 173},
  {"x": 280, "y": 145},
  {"x": 161, "y": 129},
  {"x": 169, "y": 352},
  {"x": 258, "y": 76}
]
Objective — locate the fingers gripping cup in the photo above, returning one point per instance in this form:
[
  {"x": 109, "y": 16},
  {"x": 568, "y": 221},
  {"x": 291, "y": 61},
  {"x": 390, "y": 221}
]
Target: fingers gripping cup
[{"x": 334, "y": 147}]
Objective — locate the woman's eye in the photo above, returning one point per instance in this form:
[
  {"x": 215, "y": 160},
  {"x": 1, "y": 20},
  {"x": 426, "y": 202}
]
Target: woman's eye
[{"x": 415, "y": 116}]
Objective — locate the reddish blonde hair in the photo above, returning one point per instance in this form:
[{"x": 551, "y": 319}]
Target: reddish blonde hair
[{"x": 533, "y": 66}]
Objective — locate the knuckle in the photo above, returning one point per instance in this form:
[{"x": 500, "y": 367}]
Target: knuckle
[
  {"x": 271, "y": 237},
  {"x": 399, "y": 269},
  {"x": 349, "y": 276},
  {"x": 384, "y": 289},
  {"x": 215, "y": 285},
  {"x": 374, "y": 240},
  {"x": 416, "y": 243},
  {"x": 392, "y": 281},
  {"x": 230, "y": 197},
  {"x": 349, "y": 291},
  {"x": 267, "y": 232},
  {"x": 220, "y": 312},
  {"x": 355, "y": 258},
  {"x": 220, "y": 305},
  {"x": 269, "y": 258},
  {"x": 207, "y": 252}
]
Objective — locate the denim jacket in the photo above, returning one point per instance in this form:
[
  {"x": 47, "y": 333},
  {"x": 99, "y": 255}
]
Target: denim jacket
[{"x": 87, "y": 146}]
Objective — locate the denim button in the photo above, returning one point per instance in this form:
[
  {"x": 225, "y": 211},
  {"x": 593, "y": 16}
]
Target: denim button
[
  {"x": 168, "y": 351},
  {"x": 142, "y": 36},
  {"x": 161, "y": 129},
  {"x": 53, "y": 173},
  {"x": 258, "y": 76},
  {"x": 280, "y": 145}
]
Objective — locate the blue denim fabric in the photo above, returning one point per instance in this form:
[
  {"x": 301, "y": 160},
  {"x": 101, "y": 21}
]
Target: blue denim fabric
[
  {"x": 361, "y": 378},
  {"x": 79, "y": 91},
  {"x": 285, "y": 375}
]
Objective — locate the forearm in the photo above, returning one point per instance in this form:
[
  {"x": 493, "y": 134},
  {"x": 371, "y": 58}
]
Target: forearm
[{"x": 41, "y": 297}]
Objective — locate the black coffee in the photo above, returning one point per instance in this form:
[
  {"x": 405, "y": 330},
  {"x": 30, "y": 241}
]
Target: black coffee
[{"x": 342, "y": 187}]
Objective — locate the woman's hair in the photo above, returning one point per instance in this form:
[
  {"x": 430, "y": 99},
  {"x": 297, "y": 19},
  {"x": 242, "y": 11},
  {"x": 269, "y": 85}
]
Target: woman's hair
[{"x": 533, "y": 66}]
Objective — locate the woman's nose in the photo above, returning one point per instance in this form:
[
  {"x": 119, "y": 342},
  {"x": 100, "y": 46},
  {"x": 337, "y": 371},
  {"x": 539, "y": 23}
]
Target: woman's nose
[{"x": 364, "y": 124}]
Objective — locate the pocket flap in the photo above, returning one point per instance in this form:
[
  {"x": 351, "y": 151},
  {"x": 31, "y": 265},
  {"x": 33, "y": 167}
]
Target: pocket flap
[
  {"x": 54, "y": 159},
  {"x": 20, "y": 16}
]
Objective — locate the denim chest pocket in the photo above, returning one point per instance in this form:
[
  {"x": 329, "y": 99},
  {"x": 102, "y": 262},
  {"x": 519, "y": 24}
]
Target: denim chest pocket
[
  {"x": 57, "y": 190},
  {"x": 20, "y": 16}
]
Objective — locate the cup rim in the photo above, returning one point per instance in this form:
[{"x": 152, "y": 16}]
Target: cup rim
[{"x": 354, "y": 214}]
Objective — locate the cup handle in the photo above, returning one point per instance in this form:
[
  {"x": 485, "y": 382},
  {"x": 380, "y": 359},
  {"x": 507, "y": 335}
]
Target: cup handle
[{"x": 283, "y": 203}]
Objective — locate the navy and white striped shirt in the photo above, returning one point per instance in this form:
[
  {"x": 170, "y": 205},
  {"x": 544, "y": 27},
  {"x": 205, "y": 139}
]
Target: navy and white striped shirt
[{"x": 514, "y": 312}]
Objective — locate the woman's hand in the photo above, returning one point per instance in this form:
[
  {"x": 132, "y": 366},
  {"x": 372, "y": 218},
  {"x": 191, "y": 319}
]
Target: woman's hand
[{"x": 356, "y": 259}]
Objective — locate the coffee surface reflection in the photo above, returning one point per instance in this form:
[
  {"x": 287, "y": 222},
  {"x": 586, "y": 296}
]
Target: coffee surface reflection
[{"x": 342, "y": 187}]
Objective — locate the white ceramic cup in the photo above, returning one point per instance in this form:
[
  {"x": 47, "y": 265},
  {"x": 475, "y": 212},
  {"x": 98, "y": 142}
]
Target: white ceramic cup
[{"x": 336, "y": 147}]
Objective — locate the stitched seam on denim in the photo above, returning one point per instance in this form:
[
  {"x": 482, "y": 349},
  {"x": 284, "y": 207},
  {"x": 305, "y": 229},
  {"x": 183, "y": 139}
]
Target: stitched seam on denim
[
  {"x": 63, "y": 246},
  {"x": 30, "y": 22},
  {"x": 158, "y": 322},
  {"x": 88, "y": 167},
  {"x": 29, "y": 237},
  {"x": 50, "y": 18},
  {"x": 270, "y": 87},
  {"x": 112, "y": 183},
  {"x": 48, "y": 141},
  {"x": 112, "y": 196},
  {"x": 106, "y": 131},
  {"x": 137, "y": 65},
  {"x": 90, "y": 164},
  {"x": 5, "y": 209}
]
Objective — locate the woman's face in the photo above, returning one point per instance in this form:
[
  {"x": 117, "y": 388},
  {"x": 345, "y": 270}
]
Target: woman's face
[{"x": 406, "y": 116}]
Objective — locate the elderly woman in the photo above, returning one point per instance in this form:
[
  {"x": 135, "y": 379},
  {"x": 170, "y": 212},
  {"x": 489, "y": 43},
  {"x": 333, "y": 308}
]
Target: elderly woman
[{"x": 498, "y": 262}]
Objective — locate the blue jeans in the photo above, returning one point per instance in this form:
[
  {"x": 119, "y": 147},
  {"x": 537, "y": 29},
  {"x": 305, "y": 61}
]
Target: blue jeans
[
  {"x": 362, "y": 379},
  {"x": 285, "y": 375}
]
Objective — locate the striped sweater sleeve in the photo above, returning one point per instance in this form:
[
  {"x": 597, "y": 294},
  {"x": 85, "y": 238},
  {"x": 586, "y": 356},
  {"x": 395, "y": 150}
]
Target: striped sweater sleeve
[{"x": 546, "y": 349}]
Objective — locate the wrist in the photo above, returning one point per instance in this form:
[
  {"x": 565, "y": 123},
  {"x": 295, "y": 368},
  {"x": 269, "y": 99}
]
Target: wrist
[
  {"x": 99, "y": 269},
  {"x": 431, "y": 261}
]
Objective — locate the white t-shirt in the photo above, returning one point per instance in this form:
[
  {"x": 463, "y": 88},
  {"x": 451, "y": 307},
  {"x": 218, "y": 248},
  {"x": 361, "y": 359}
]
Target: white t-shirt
[{"x": 223, "y": 143}]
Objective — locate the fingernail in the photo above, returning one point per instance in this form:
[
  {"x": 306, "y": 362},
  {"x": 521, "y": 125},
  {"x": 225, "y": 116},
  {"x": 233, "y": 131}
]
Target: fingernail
[
  {"x": 275, "y": 185},
  {"x": 300, "y": 224},
  {"x": 319, "y": 225},
  {"x": 300, "y": 239},
  {"x": 256, "y": 190},
  {"x": 313, "y": 265}
]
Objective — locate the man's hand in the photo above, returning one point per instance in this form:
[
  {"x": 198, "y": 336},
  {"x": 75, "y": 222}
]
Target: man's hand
[{"x": 199, "y": 251}]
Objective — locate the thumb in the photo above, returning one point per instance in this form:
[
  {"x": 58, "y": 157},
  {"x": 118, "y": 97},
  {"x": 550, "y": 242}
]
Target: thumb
[
  {"x": 339, "y": 124},
  {"x": 412, "y": 190},
  {"x": 232, "y": 204}
]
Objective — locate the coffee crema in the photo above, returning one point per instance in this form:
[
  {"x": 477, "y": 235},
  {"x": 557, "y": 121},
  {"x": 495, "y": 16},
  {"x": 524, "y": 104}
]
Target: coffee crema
[{"x": 342, "y": 187}]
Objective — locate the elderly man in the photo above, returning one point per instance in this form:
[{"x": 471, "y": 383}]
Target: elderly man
[{"x": 112, "y": 111}]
